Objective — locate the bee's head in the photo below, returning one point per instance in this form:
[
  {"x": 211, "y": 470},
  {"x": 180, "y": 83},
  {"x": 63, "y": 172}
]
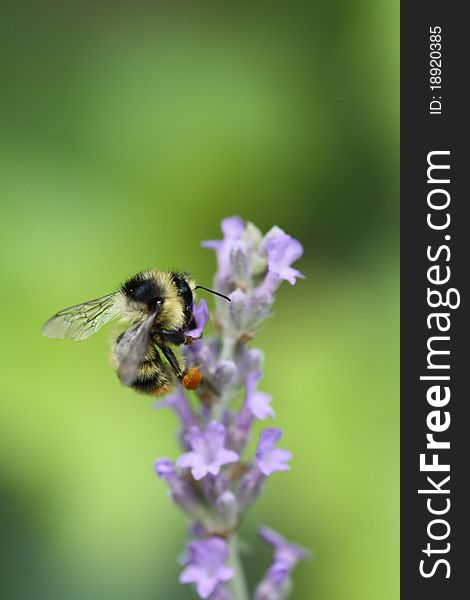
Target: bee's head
[
  {"x": 185, "y": 293},
  {"x": 144, "y": 292}
]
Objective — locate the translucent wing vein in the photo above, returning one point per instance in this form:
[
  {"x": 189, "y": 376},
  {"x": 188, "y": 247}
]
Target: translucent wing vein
[{"x": 81, "y": 321}]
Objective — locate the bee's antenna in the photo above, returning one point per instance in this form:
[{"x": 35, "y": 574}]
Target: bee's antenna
[{"x": 212, "y": 292}]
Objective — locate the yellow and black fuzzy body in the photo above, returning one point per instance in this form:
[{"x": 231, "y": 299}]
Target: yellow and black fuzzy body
[
  {"x": 153, "y": 376},
  {"x": 158, "y": 306}
]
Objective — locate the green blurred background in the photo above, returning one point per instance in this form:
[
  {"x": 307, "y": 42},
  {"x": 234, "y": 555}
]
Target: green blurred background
[{"x": 128, "y": 130}]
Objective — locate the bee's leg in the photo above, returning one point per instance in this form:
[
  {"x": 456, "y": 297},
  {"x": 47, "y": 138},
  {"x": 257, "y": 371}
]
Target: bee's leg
[
  {"x": 171, "y": 358},
  {"x": 191, "y": 378},
  {"x": 192, "y": 323},
  {"x": 177, "y": 337}
]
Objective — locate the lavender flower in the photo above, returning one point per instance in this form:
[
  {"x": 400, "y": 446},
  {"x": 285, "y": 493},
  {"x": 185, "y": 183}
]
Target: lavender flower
[
  {"x": 201, "y": 317},
  {"x": 282, "y": 251},
  {"x": 258, "y": 403},
  {"x": 277, "y": 584},
  {"x": 213, "y": 481},
  {"x": 232, "y": 228},
  {"x": 268, "y": 458},
  {"x": 180, "y": 490},
  {"x": 206, "y": 566},
  {"x": 208, "y": 452}
]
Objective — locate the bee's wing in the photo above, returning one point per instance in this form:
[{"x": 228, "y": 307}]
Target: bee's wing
[
  {"x": 131, "y": 349},
  {"x": 81, "y": 321}
]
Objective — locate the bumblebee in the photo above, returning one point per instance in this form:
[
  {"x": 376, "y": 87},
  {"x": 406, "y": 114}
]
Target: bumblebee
[{"x": 158, "y": 305}]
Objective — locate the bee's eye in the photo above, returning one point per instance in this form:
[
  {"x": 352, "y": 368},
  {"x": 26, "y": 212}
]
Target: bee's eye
[{"x": 155, "y": 303}]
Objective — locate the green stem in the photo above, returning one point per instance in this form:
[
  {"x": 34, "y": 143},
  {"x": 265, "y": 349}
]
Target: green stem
[{"x": 237, "y": 584}]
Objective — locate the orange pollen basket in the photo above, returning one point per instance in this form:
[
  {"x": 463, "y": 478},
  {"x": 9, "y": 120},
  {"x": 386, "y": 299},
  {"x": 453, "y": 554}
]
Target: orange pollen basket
[{"x": 192, "y": 378}]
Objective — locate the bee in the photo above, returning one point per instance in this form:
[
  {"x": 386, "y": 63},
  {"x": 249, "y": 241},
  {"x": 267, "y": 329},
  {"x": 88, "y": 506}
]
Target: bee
[{"x": 158, "y": 306}]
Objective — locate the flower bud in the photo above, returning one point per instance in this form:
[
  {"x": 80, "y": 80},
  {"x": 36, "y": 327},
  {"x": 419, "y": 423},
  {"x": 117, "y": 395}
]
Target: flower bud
[
  {"x": 237, "y": 310},
  {"x": 239, "y": 264}
]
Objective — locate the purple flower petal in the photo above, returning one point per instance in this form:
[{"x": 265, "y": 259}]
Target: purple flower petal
[
  {"x": 208, "y": 453},
  {"x": 257, "y": 402},
  {"x": 268, "y": 458},
  {"x": 164, "y": 467},
  {"x": 256, "y": 405},
  {"x": 276, "y": 582},
  {"x": 268, "y": 439},
  {"x": 221, "y": 593},
  {"x": 212, "y": 244},
  {"x": 260, "y": 406},
  {"x": 201, "y": 317},
  {"x": 279, "y": 572},
  {"x": 180, "y": 490},
  {"x": 206, "y": 566},
  {"x": 232, "y": 228},
  {"x": 282, "y": 250},
  {"x": 271, "y": 537},
  {"x": 284, "y": 551}
]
